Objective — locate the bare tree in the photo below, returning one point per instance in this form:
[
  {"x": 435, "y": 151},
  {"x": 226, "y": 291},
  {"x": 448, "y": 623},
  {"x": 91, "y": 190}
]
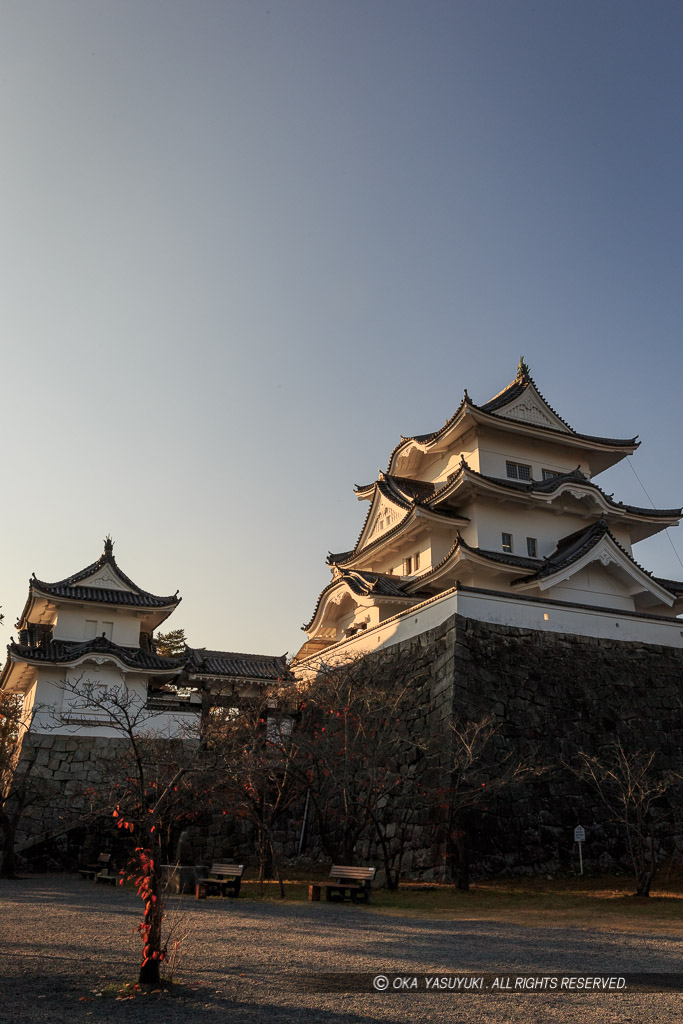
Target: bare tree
[
  {"x": 477, "y": 773},
  {"x": 357, "y": 752},
  {"x": 19, "y": 784},
  {"x": 153, "y": 792},
  {"x": 631, "y": 787},
  {"x": 254, "y": 750}
]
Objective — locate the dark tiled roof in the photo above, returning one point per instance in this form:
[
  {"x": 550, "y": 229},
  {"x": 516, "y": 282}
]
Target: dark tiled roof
[
  {"x": 425, "y": 438},
  {"x": 363, "y": 583},
  {"x": 509, "y": 393},
  {"x": 402, "y": 487},
  {"x": 553, "y": 483},
  {"x": 231, "y": 663},
  {"x": 334, "y": 557},
  {"x": 68, "y": 587},
  {"x": 64, "y": 652},
  {"x": 103, "y": 595},
  {"x": 504, "y": 398},
  {"x": 519, "y": 385},
  {"x": 504, "y": 558},
  {"x": 346, "y": 556},
  {"x": 414, "y": 490},
  {"x": 571, "y": 548},
  {"x": 673, "y": 586},
  {"x": 517, "y": 561},
  {"x": 574, "y": 546}
]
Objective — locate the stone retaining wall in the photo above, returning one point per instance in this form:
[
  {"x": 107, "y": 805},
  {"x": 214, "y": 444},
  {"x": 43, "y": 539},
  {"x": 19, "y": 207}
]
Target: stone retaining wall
[{"x": 550, "y": 694}]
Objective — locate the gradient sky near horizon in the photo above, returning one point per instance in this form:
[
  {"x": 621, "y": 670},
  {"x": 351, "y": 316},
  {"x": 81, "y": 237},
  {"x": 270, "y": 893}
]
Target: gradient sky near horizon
[{"x": 247, "y": 245}]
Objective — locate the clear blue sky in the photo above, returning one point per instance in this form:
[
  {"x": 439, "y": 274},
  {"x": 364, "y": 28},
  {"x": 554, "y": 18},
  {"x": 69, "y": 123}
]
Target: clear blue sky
[{"x": 246, "y": 245}]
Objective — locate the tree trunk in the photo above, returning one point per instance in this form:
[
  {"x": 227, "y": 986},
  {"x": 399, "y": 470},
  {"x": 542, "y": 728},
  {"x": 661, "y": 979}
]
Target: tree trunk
[
  {"x": 643, "y": 883},
  {"x": 463, "y": 881},
  {"x": 151, "y": 928},
  {"x": 276, "y": 866},
  {"x": 8, "y": 857},
  {"x": 262, "y": 857}
]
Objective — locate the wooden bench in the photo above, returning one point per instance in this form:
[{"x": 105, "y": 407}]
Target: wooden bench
[
  {"x": 101, "y": 871},
  {"x": 355, "y": 882},
  {"x": 224, "y": 877}
]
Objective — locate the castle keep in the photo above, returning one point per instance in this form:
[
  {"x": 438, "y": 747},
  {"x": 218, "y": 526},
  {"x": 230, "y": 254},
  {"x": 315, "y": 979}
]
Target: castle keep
[
  {"x": 497, "y": 516},
  {"x": 492, "y": 560}
]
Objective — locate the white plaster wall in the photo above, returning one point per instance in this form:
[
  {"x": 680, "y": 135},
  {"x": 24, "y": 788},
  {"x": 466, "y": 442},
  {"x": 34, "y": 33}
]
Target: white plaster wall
[
  {"x": 449, "y": 462},
  {"x": 592, "y": 585},
  {"x": 507, "y": 612},
  {"x": 441, "y": 543},
  {"x": 53, "y": 701},
  {"x": 48, "y": 698},
  {"x": 71, "y": 622},
  {"x": 493, "y": 519},
  {"x": 498, "y": 447}
]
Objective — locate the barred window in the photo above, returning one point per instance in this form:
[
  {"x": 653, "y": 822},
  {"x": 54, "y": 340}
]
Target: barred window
[{"x": 518, "y": 471}]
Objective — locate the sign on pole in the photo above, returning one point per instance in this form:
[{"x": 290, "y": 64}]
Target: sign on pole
[{"x": 580, "y": 838}]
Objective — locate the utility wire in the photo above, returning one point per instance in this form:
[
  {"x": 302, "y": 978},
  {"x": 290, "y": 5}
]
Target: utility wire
[{"x": 654, "y": 506}]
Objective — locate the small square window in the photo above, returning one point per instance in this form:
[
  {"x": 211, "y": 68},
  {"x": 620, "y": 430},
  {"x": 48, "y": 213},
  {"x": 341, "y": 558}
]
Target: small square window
[
  {"x": 416, "y": 561},
  {"x": 531, "y": 547},
  {"x": 518, "y": 471},
  {"x": 407, "y": 566},
  {"x": 550, "y": 474},
  {"x": 507, "y": 542}
]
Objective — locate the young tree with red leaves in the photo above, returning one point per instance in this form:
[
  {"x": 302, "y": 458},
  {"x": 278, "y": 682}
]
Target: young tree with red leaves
[{"x": 153, "y": 793}]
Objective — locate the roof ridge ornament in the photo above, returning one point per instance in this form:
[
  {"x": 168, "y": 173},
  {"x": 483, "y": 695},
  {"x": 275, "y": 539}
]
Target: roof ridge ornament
[
  {"x": 108, "y": 547},
  {"x": 523, "y": 371}
]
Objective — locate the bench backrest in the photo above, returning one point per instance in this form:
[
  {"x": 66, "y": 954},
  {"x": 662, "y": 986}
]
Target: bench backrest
[
  {"x": 220, "y": 867},
  {"x": 104, "y": 858},
  {"x": 349, "y": 874}
]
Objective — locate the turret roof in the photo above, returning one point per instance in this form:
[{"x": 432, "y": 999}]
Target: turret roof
[
  {"x": 495, "y": 407},
  {"x": 70, "y": 589},
  {"x": 66, "y": 652}
]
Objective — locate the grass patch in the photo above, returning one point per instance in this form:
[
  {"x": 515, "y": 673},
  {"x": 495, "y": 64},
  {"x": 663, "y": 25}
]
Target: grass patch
[{"x": 600, "y": 904}]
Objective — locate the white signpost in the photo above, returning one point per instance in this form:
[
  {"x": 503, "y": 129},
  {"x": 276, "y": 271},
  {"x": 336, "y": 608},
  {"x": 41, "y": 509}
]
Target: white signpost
[{"x": 580, "y": 838}]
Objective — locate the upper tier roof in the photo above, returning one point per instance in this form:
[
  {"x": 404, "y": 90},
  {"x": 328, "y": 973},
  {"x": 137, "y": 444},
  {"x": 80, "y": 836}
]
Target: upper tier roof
[
  {"x": 104, "y": 574},
  {"x": 509, "y": 410}
]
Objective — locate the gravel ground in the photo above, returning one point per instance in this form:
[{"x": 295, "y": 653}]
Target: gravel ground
[{"x": 63, "y": 939}]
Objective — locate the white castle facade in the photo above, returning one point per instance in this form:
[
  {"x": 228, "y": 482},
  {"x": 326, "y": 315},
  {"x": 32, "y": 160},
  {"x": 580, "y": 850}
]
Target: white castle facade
[{"x": 497, "y": 516}]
